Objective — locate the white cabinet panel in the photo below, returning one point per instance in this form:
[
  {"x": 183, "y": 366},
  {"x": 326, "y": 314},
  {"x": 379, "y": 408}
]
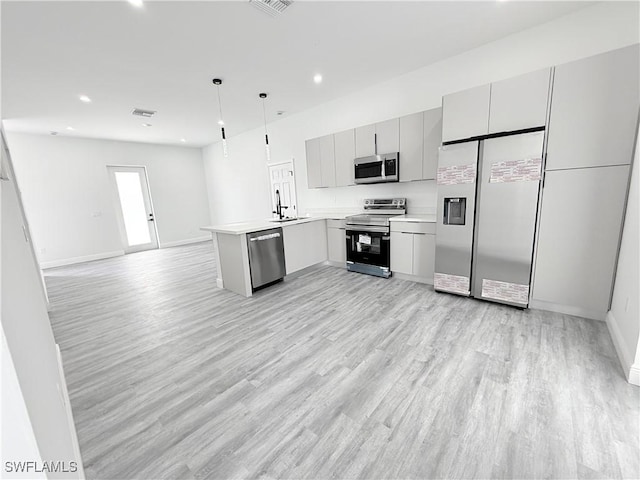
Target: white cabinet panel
[
  {"x": 465, "y": 114},
  {"x": 432, "y": 142},
  {"x": 401, "y": 252},
  {"x": 327, "y": 161},
  {"x": 424, "y": 254},
  {"x": 580, "y": 228},
  {"x": 411, "y": 146},
  {"x": 594, "y": 111},
  {"x": 305, "y": 244},
  {"x": 345, "y": 148},
  {"x": 314, "y": 172},
  {"x": 365, "y": 141},
  {"x": 520, "y": 102},
  {"x": 337, "y": 245},
  {"x": 388, "y": 136}
]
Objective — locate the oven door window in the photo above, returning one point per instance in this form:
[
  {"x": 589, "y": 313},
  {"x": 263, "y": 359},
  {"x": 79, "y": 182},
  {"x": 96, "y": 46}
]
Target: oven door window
[
  {"x": 369, "y": 170},
  {"x": 371, "y": 248}
]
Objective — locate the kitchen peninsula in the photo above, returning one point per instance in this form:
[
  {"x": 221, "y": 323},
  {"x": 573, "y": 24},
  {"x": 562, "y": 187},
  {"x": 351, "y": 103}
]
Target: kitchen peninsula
[{"x": 305, "y": 244}]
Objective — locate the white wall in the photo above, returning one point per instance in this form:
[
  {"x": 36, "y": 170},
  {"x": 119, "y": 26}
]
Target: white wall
[
  {"x": 18, "y": 442},
  {"x": 624, "y": 317},
  {"x": 587, "y": 32},
  {"x": 30, "y": 342},
  {"x": 69, "y": 202}
]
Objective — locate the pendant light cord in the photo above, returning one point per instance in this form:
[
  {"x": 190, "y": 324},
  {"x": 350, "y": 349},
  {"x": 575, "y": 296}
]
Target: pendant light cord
[
  {"x": 219, "y": 103},
  {"x": 264, "y": 115}
]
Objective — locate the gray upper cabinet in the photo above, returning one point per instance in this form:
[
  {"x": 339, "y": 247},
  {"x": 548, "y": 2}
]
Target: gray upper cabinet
[
  {"x": 432, "y": 142},
  {"x": 314, "y": 172},
  {"x": 327, "y": 161},
  {"x": 520, "y": 102},
  {"x": 388, "y": 136},
  {"x": 594, "y": 111},
  {"x": 411, "y": 146},
  {"x": 345, "y": 148},
  {"x": 366, "y": 141},
  {"x": 466, "y": 114}
]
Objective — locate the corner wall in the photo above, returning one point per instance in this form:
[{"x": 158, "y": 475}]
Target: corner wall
[
  {"x": 68, "y": 199},
  {"x": 589, "y": 31},
  {"x": 623, "y": 319}
]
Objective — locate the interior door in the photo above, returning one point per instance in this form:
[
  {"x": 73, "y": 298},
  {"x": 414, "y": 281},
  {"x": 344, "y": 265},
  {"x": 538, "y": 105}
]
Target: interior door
[
  {"x": 134, "y": 208},
  {"x": 282, "y": 178}
]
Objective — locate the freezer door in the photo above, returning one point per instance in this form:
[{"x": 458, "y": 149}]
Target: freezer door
[
  {"x": 457, "y": 166},
  {"x": 509, "y": 175}
]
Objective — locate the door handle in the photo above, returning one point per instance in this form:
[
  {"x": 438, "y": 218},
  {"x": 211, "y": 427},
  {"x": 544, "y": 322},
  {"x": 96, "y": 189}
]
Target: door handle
[{"x": 151, "y": 217}]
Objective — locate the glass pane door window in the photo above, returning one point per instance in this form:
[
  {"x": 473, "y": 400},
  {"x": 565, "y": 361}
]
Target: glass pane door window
[{"x": 134, "y": 208}]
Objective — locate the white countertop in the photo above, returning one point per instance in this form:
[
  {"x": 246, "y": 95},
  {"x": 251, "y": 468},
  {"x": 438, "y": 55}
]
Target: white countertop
[
  {"x": 256, "y": 225},
  {"x": 415, "y": 218}
]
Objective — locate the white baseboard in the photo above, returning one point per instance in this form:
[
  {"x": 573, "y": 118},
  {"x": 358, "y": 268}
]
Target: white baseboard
[
  {"x": 86, "y": 258},
  {"x": 219, "y": 283},
  {"x": 413, "y": 278},
  {"x": 336, "y": 264},
  {"x": 185, "y": 242},
  {"x": 568, "y": 310},
  {"x": 624, "y": 356},
  {"x": 634, "y": 374},
  {"x": 67, "y": 406}
]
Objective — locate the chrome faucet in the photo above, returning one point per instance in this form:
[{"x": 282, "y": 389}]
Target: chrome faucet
[{"x": 279, "y": 206}]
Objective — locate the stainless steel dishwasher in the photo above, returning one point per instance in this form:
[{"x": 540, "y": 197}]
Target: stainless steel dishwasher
[{"x": 266, "y": 257}]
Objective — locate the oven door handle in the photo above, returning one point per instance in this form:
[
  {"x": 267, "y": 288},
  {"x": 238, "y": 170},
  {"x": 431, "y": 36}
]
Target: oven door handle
[{"x": 366, "y": 228}]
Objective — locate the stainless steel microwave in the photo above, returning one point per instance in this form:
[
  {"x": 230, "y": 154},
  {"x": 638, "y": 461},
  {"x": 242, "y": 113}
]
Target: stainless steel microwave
[{"x": 377, "y": 168}]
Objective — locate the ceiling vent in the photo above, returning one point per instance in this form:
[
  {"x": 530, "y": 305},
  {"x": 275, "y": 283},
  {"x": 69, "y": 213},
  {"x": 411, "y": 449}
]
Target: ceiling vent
[
  {"x": 271, "y": 7},
  {"x": 140, "y": 112}
]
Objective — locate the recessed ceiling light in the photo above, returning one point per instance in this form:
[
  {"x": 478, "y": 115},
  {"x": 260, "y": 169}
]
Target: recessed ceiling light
[
  {"x": 136, "y": 3},
  {"x": 317, "y": 78},
  {"x": 85, "y": 99},
  {"x": 53, "y": 133},
  {"x": 280, "y": 112},
  {"x": 183, "y": 140},
  {"x": 220, "y": 122},
  {"x": 70, "y": 128},
  {"x": 147, "y": 125}
]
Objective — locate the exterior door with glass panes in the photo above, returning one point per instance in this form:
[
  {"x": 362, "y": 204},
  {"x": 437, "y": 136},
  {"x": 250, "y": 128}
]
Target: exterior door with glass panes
[{"x": 134, "y": 208}]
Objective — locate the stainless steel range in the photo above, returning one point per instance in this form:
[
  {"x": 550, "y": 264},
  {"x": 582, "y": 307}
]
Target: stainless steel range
[{"x": 368, "y": 237}]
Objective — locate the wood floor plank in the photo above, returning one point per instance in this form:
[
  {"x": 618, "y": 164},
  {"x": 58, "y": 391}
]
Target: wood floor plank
[{"x": 330, "y": 374}]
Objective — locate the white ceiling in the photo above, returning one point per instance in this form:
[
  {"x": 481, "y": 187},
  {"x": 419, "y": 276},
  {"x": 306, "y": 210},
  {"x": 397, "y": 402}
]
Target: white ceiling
[{"x": 163, "y": 57}]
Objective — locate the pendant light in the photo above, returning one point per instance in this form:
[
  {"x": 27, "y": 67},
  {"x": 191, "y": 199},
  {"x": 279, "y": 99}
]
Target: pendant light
[
  {"x": 217, "y": 82},
  {"x": 266, "y": 135}
]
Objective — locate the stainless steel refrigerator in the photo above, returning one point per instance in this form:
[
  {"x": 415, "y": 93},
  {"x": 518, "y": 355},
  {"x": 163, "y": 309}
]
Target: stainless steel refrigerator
[{"x": 488, "y": 194}]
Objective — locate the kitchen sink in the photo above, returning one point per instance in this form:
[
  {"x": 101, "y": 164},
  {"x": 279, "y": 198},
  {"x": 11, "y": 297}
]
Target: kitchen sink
[{"x": 282, "y": 220}]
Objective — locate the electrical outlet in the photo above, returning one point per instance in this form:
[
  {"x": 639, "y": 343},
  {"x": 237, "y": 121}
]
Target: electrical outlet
[{"x": 96, "y": 214}]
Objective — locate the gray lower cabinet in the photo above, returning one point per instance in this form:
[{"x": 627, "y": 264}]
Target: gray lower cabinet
[
  {"x": 345, "y": 153},
  {"x": 413, "y": 250},
  {"x": 327, "y": 161},
  {"x": 336, "y": 242},
  {"x": 580, "y": 225},
  {"x": 520, "y": 102},
  {"x": 594, "y": 111},
  {"x": 388, "y": 136},
  {"x": 465, "y": 114},
  {"x": 365, "y": 141},
  {"x": 401, "y": 256},
  {"x": 424, "y": 254},
  {"x": 314, "y": 169}
]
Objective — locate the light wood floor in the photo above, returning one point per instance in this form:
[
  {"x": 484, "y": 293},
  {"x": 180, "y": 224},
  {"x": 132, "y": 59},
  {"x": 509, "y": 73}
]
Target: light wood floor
[{"x": 330, "y": 375}]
